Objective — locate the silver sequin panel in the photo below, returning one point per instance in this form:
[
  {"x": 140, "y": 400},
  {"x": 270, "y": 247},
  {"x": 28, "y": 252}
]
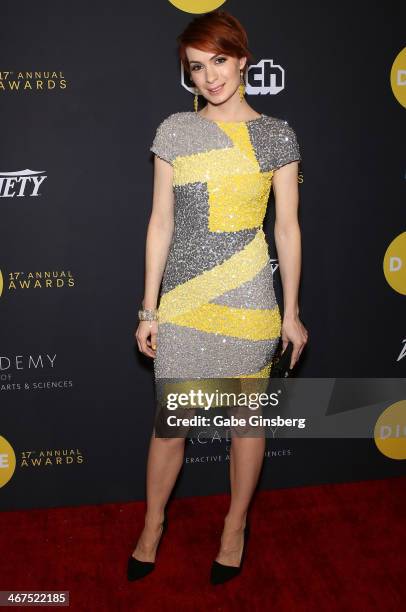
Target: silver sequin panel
[
  {"x": 191, "y": 353},
  {"x": 194, "y": 248},
  {"x": 258, "y": 292}
]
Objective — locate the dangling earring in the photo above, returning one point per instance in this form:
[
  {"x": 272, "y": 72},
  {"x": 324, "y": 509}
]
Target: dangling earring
[
  {"x": 241, "y": 87},
  {"x": 196, "y": 99}
]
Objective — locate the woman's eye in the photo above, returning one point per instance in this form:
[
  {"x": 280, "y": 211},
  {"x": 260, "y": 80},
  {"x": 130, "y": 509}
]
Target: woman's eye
[{"x": 221, "y": 59}]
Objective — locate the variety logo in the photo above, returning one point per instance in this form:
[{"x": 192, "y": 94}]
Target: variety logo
[
  {"x": 21, "y": 183},
  {"x": 13, "y": 81},
  {"x": 262, "y": 78}
]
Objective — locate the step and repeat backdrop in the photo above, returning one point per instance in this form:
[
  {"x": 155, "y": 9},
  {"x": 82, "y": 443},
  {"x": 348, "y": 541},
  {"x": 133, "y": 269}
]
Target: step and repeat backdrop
[{"x": 82, "y": 91}]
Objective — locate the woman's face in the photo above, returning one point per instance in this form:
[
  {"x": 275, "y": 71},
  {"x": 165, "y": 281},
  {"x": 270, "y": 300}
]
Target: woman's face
[{"x": 217, "y": 77}]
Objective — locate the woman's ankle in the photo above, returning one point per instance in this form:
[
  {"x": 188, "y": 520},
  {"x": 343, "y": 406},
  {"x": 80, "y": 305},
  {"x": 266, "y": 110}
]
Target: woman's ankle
[
  {"x": 154, "y": 519},
  {"x": 235, "y": 521}
]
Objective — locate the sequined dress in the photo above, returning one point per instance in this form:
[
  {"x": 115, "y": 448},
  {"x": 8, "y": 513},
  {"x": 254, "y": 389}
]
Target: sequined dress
[{"x": 218, "y": 315}]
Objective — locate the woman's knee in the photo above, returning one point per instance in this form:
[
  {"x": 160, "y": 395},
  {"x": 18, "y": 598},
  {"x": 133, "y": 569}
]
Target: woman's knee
[{"x": 171, "y": 441}]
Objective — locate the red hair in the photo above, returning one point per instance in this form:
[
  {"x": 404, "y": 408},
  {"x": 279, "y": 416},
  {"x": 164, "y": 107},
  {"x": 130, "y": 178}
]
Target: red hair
[{"x": 217, "y": 31}]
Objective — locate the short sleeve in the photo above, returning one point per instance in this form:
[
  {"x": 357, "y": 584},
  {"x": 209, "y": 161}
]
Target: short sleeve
[
  {"x": 164, "y": 142},
  {"x": 287, "y": 149}
]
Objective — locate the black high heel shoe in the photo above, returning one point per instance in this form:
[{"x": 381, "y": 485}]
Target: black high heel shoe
[
  {"x": 137, "y": 569},
  {"x": 222, "y": 573}
]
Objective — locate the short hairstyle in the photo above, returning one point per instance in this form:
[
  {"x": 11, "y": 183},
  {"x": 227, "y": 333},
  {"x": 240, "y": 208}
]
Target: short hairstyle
[{"x": 217, "y": 31}]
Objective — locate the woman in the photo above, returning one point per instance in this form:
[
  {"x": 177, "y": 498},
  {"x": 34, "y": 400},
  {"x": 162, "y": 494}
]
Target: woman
[{"x": 218, "y": 316}]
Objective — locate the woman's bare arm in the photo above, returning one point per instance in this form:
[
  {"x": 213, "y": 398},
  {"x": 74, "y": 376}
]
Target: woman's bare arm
[
  {"x": 158, "y": 240},
  {"x": 287, "y": 233},
  {"x": 159, "y": 232},
  {"x": 288, "y": 244}
]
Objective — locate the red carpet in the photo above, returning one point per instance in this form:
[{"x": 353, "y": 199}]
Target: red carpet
[{"x": 330, "y": 547}]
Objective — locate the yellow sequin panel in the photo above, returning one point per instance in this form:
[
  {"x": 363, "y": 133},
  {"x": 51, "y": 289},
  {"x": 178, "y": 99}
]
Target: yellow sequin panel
[
  {"x": 251, "y": 324},
  {"x": 237, "y": 269},
  {"x": 240, "y": 203},
  {"x": 239, "y": 134},
  {"x": 217, "y": 163},
  {"x": 212, "y": 165}
]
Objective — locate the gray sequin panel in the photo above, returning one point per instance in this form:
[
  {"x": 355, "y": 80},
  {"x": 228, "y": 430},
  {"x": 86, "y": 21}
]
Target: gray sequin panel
[
  {"x": 189, "y": 353},
  {"x": 257, "y": 292},
  {"x": 275, "y": 143},
  {"x": 186, "y": 133},
  {"x": 194, "y": 248}
]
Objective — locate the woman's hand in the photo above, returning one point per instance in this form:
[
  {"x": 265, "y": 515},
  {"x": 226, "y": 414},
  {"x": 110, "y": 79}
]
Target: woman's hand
[
  {"x": 146, "y": 336},
  {"x": 294, "y": 330}
]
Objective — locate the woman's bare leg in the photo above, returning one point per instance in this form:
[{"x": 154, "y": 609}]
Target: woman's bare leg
[
  {"x": 165, "y": 459},
  {"x": 246, "y": 458}
]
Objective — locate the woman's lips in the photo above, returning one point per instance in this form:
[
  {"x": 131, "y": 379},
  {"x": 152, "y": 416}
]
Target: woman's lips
[{"x": 217, "y": 90}]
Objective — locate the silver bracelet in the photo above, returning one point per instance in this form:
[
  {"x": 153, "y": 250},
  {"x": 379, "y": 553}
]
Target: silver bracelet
[{"x": 148, "y": 314}]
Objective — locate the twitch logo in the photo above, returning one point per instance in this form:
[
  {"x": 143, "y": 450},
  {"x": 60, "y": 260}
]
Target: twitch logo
[{"x": 264, "y": 78}]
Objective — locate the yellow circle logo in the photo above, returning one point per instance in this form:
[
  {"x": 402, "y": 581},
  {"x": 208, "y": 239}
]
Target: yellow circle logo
[
  {"x": 197, "y": 6},
  {"x": 390, "y": 431},
  {"x": 7, "y": 461},
  {"x": 394, "y": 264},
  {"x": 398, "y": 77}
]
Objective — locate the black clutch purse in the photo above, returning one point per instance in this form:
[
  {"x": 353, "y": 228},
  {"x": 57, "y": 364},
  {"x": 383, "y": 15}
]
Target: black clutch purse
[{"x": 280, "y": 365}]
